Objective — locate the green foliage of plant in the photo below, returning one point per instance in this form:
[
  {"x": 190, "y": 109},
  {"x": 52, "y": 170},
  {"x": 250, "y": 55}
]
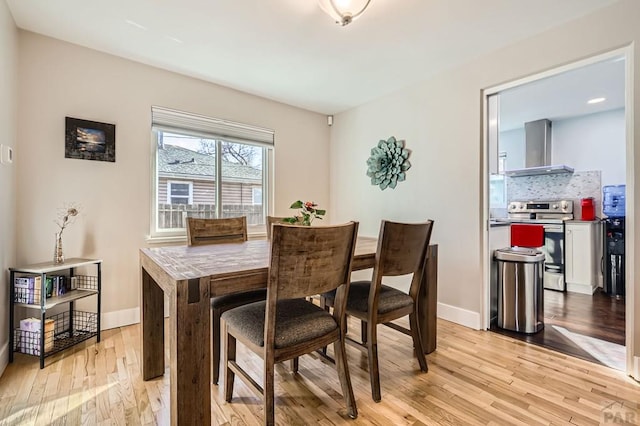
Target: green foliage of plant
[{"x": 308, "y": 212}]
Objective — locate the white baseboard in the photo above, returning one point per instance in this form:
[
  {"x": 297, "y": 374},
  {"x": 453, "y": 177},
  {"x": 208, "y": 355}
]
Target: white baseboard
[
  {"x": 459, "y": 316},
  {"x": 119, "y": 318},
  {"x": 125, "y": 317},
  {"x": 447, "y": 312},
  {"x": 636, "y": 368},
  {"x": 581, "y": 288},
  {"x": 4, "y": 357}
]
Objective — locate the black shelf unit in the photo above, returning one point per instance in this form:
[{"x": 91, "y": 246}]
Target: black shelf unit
[{"x": 70, "y": 326}]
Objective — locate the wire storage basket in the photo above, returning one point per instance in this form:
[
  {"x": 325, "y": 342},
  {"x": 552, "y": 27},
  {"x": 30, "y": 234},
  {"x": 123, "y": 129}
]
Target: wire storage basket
[{"x": 61, "y": 331}]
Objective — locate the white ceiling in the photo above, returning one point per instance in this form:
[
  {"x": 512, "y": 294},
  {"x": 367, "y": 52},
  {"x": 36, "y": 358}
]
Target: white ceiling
[
  {"x": 289, "y": 50},
  {"x": 565, "y": 95}
]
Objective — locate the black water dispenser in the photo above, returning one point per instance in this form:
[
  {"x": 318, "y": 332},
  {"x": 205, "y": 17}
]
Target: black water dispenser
[{"x": 614, "y": 256}]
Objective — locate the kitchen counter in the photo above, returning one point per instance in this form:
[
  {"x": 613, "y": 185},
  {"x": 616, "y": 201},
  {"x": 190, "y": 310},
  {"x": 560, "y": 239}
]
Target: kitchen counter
[
  {"x": 596, "y": 220},
  {"x": 499, "y": 222}
]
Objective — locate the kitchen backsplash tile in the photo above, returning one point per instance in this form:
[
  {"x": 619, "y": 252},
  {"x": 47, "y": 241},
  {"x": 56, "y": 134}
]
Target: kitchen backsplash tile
[{"x": 559, "y": 186}]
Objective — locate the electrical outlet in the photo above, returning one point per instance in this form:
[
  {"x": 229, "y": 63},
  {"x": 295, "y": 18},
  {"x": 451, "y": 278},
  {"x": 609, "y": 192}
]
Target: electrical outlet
[{"x": 6, "y": 154}]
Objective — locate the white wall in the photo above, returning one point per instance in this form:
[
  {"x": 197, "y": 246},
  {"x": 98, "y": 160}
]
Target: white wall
[
  {"x": 58, "y": 79},
  {"x": 589, "y": 142},
  {"x": 8, "y": 116},
  {"x": 592, "y": 142},
  {"x": 441, "y": 121}
]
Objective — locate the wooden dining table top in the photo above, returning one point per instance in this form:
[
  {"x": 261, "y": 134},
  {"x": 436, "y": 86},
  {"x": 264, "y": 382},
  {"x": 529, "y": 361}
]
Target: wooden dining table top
[{"x": 225, "y": 261}]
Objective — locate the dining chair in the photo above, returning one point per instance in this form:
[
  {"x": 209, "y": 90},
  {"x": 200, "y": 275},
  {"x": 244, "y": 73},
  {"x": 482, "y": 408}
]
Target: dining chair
[
  {"x": 219, "y": 231},
  {"x": 402, "y": 250},
  {"x": 270, "y": 221},
  {"x": 213, "y": 231},
  {"x": 304, "y": 261}
]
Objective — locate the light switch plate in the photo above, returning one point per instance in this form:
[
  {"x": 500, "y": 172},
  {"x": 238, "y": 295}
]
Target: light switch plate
[{"x": 6, "y": 154}]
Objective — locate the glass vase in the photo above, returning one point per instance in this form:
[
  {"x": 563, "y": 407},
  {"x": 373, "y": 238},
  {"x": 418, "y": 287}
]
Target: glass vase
[{"x": 58, "y": 256}]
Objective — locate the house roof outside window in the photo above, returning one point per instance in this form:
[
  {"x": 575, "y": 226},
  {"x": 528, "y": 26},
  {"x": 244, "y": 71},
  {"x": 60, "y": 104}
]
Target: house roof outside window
[{"x": 178, "y": 162}]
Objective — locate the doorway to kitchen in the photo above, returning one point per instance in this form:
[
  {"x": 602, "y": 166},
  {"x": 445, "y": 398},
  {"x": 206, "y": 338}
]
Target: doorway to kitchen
[{"x": 554, "y": 139}]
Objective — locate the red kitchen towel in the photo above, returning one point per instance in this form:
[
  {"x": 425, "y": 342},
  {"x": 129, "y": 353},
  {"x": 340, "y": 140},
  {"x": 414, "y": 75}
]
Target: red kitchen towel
[{"x": 527, "y": 235}]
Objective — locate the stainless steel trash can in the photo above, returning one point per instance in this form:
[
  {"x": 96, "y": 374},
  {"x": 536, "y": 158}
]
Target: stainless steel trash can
[{"x": 520, "y": 289}]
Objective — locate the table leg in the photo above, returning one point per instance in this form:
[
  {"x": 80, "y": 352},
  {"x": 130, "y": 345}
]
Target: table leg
[
  {"x": 152, "y": 323},
  {"x": 190, "y": 361},
  {"x": 428, "y": 301}
]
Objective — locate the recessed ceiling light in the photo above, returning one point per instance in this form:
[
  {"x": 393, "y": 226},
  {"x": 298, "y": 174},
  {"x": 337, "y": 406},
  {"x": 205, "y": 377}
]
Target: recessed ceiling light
[
  {"x": 596, "y": 100},
  {"x": 135, "y": 24}
]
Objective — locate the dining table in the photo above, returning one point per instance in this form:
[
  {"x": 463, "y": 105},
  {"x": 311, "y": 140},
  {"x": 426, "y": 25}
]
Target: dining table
[{"x": 189, "y": 276}]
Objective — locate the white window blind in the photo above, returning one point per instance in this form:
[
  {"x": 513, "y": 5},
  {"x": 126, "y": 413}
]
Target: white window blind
[{"x": 170, "y": 120}]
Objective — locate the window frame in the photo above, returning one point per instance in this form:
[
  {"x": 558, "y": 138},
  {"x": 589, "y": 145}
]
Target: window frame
[{"x": 157, "y": 235}]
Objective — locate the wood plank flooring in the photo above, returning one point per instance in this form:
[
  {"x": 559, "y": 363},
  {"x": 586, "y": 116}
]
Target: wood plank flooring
[
  {"x": 474, "y": 378},
  {"x": 599, "y": 316}
]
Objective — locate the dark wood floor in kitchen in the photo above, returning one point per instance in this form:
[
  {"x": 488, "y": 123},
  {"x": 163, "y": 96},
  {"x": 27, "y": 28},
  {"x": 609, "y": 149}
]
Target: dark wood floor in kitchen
[{"x": 599, "y": 316}]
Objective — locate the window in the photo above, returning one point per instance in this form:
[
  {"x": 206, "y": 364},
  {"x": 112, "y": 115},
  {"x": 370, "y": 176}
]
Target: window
[
  {"x": 179, "y": 193},
  {"x": 256, "y": 195},
  {"x": 207, "y": 168},
  {"x": 497, "y": 192},
  {"x": 502, "y": 162}
]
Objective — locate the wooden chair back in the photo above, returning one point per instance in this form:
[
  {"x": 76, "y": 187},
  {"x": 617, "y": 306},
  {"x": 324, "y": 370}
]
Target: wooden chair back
[
  {"x": 216, "y": 231},
  {"x": 402, "y": 249},
  {"x": 270, "y": 221},
  {"x": 309, "y": 260}
]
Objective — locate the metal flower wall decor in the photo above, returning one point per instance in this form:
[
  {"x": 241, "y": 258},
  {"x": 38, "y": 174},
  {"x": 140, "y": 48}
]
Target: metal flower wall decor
[{"x": 388, "y": 163}]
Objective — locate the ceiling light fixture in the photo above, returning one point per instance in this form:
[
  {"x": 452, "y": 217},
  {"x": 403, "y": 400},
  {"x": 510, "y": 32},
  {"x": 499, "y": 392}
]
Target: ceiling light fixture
[
  {"x": 344, "y": 11},
  {"x": 596, "y": 100}
]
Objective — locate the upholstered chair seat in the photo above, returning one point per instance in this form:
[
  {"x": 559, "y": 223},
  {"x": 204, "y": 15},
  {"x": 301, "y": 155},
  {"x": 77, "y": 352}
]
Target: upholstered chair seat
[
  {"x": 297, "y": 321},
  {"x": 228, "y": 301},
  {"x": 389, "y": 298}
]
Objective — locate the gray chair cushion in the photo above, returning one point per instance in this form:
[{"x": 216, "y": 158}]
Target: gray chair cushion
[
  {"x": 389, "y": 298},
  {"x": 230, "y": 301},
  {"x": 297, "y": 321}
]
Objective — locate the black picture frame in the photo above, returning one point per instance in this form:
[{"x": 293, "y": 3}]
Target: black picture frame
[{"x": 89, "y": 140}]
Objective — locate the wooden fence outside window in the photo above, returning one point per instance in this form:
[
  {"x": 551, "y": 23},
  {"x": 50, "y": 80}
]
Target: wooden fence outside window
[{"x": 171, "y": 216}]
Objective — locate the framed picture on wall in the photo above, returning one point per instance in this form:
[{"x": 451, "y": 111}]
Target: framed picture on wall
[{"x": 89, "y": 140}]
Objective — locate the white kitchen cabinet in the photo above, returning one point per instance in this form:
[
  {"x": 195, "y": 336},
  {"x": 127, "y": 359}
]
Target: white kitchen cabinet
[{"x": 583, "y": 254}]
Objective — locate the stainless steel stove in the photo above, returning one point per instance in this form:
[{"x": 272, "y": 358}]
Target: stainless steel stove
[
  {"x": 551, "y": 215},
  {"x": 556, "y": 211}
]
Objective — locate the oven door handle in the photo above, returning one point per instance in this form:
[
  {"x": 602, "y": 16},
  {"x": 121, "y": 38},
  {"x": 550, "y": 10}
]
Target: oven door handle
[{"x": 553, "y": 228}]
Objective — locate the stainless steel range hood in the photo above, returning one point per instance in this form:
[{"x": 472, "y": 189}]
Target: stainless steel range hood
[
  {"x": 538, "y": 151},
  {"x": 542, "y": 170}
]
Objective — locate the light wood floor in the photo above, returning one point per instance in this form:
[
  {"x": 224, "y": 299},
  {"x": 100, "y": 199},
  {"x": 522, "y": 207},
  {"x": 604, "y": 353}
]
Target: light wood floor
[{"x": 474, "y": 377}]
